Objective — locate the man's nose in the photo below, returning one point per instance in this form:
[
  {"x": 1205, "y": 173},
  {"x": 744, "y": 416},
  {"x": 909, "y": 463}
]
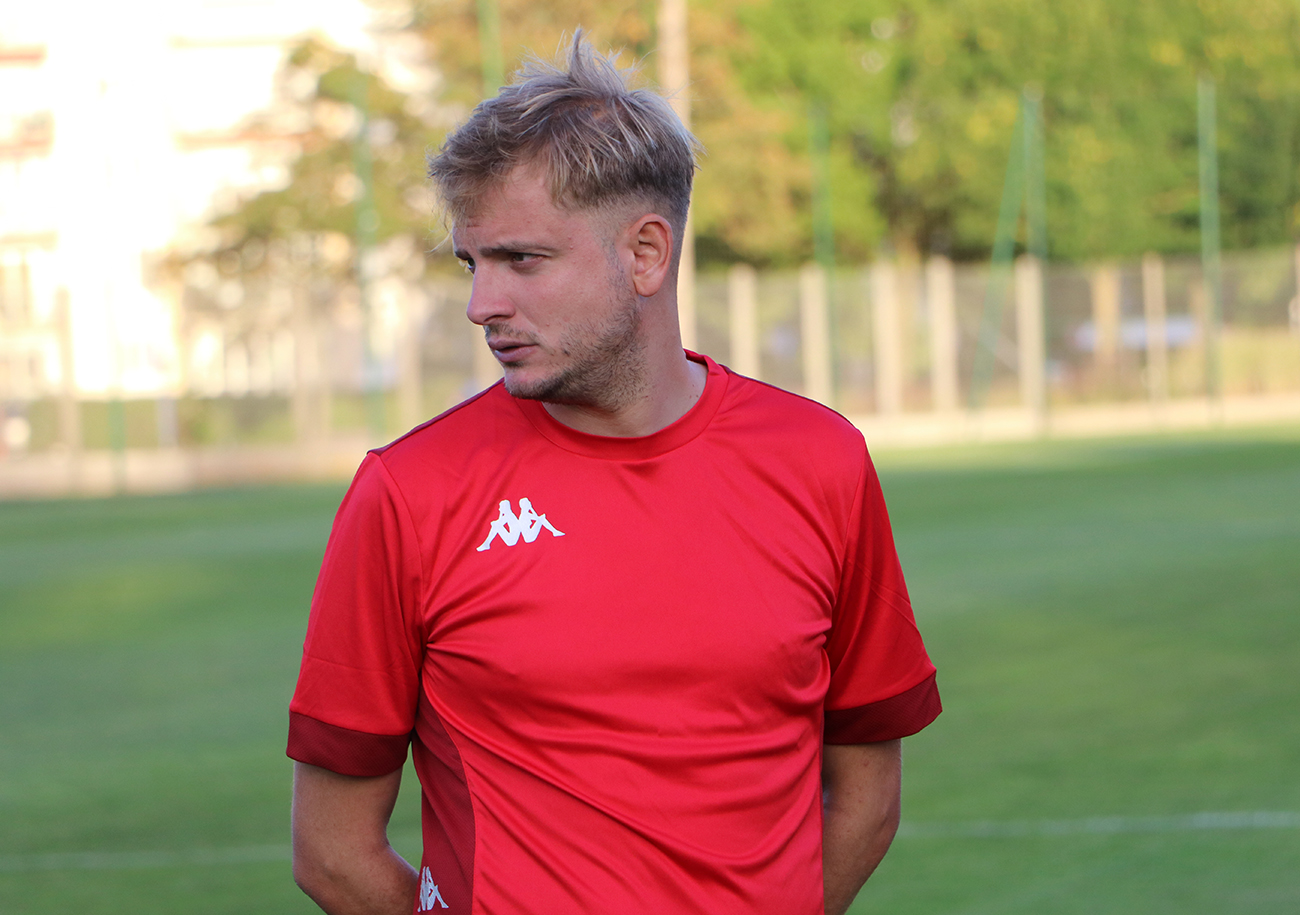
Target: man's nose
[{"x": 488, "y": 300}]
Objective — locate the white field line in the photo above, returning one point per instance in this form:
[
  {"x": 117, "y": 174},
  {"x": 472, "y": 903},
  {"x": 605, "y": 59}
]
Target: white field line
[
  {"x": 129, "y": 860},
  {"x": 261, "y": 854},
  {"x": 1194, "y": 822}
]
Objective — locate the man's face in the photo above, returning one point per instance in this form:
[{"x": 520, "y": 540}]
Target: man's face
[{"x": 552, "y": 295}]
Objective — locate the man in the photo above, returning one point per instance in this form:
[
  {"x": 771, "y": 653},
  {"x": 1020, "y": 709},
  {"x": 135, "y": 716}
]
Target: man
[{"x": 641, "y": 619}]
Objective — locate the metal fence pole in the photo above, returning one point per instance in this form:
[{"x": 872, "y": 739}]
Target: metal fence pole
[
  {"x": 742, "y": 299},
  {"x": 1029, "y": 337},
  {"x": 814, "y": 313},
  {"x": 1154, "y": 313},
  {"x": 887, "y": 332},
  {"x": 410, "y": 379},
  {"x": 69, "y": 408},
  {"x": 1105, "y": 289},
  {"x": 941, "y": 297},
  {"x": 675, "y": 77}
]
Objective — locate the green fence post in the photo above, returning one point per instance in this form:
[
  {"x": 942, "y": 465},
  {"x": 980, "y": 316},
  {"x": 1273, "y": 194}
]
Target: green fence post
[
  {"x": 1211, "y": 266},
  {"x": 1004, "y": 244}
]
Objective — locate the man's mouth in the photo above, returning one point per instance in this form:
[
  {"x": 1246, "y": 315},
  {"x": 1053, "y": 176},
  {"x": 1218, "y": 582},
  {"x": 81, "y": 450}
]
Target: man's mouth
[{"x": 509, "y": 350}]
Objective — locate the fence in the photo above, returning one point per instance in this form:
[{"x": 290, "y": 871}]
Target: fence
[{"x": 894, "y": 345}]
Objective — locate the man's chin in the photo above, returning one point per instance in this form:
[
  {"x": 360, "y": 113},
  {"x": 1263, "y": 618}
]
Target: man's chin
[
  {"x": 556, "y": 389},
  {"x": 518, "y": 384}
]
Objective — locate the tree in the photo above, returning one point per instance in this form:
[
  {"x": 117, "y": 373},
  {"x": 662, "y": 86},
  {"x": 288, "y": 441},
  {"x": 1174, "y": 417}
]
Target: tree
[
  {"x": 922, "y": 99},
  {"x": 919, "y": 97}
]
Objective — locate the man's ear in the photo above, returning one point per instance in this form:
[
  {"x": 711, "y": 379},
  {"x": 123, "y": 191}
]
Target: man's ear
[{"x": 651, "y": 239}]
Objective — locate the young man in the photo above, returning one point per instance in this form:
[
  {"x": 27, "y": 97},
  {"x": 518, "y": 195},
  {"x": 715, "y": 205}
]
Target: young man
[{"x": 641, "y": 619}]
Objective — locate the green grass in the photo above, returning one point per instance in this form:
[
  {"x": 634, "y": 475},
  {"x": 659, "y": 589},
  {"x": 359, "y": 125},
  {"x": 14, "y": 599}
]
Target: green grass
[
  {"x": 147, "y": 654},
  {"x": 1116, "y": 626}
]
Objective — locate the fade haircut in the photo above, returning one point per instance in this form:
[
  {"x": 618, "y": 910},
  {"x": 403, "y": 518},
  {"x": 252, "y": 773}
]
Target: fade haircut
[{"x": 598, "y": 141}]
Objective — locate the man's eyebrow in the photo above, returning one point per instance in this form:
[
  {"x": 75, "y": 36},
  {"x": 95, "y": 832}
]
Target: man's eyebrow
[{"x": 506, "y": 248}]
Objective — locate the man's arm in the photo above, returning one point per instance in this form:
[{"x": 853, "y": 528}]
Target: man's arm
[
  {"x": 341, "y": 855},
  {"x": 862, "y": 785}
]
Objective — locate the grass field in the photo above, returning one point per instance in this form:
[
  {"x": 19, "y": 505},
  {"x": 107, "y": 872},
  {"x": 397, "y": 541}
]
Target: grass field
[{"x": 1116, "y": 624}]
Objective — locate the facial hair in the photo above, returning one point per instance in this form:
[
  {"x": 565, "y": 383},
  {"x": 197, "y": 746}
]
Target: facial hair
[{"x": 606, "y": 367}]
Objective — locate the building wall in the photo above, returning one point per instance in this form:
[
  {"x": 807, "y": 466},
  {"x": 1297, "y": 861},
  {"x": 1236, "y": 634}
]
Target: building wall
[{"x": 121, "y": 125}]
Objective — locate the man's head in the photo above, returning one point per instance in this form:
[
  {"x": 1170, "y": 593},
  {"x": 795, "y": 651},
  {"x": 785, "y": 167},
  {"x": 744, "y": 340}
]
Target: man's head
[
  {"x": 568, "y": 196},
  {"x": 600, "y": 145}
]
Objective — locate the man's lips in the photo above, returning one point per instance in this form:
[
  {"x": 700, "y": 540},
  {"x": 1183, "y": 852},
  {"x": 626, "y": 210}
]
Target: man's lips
[{"x": 509, "y": 350}]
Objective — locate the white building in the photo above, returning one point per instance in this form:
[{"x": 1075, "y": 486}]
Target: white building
[{"x": 121, "y": 125}]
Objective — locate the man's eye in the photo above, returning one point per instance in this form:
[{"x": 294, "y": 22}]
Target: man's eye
[
  {"x": 468, "y": 265},
  {"x": 519, "y": 257}
]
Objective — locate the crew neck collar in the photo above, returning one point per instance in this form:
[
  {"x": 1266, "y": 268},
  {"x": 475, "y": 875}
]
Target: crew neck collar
[{"x": 641, "y": 447}]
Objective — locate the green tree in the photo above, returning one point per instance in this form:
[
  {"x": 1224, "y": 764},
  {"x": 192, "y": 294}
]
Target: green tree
[
  {"x": 752, "y": 191},
  {"x": 922, "y": 97},
  {"x": 324, "y": 192}
]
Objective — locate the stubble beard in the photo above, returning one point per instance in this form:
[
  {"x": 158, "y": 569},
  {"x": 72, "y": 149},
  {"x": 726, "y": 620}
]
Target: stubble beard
[{"x": 606, "y": 369}]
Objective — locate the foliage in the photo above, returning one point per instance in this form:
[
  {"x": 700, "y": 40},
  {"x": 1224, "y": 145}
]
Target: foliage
[
  {"x": 324, "y": 191},
  {"x": 921, "y": 98},
  {"x": 296, "y": 247}
]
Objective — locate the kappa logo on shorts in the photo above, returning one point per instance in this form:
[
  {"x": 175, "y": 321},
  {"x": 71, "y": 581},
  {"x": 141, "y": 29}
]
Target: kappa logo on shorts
[
  {"x": 510, "y": 527},
  {"x": 429, "y": 895}
]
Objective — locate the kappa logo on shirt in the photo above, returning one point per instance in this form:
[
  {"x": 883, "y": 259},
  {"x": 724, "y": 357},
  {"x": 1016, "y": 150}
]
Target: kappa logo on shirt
[
  {"x": 429, "y": 895},
  {"x": 510, "y": 527}
]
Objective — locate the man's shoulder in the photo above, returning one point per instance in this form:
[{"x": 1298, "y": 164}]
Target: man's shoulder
[
  {"x": 764, "y": 407},
  {"x": 484, "y": 421}
]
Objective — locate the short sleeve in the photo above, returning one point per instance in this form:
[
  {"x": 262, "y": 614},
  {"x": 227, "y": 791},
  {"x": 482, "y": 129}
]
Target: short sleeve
[
  {"x": 882, "y": 682},
  {"x": 354, "y": 706}
]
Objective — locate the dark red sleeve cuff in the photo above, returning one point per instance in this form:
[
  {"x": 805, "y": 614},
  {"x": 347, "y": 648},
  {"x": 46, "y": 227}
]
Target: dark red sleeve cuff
[
  {"x": 342, "y": 750},
  {"x": 888, "y": 719}
]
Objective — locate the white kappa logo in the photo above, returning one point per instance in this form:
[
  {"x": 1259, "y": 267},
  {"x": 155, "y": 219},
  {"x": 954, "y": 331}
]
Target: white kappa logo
[
  {"x": 429, "y": 892},
  {"x": 510, "y": 527}
]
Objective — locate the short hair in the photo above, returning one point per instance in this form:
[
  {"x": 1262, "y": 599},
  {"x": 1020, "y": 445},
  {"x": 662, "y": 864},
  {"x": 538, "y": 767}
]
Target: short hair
[{"x": 598, "y": 140}]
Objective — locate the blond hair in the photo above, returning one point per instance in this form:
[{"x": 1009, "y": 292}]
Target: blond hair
[{"x": 599, "y": 142}]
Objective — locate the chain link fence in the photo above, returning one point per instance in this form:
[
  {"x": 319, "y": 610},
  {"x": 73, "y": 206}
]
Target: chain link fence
[{"x": 297, "y": 355}]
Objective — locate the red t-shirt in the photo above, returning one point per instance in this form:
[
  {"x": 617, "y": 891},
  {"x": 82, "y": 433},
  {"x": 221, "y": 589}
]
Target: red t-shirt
[{"x": 617, "y": 658}]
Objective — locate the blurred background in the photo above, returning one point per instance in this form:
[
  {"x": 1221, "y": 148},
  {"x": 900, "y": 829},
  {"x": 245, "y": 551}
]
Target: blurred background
[
  {"x": 219, "y": 258},
  {"x": 1044, "y": 255}
]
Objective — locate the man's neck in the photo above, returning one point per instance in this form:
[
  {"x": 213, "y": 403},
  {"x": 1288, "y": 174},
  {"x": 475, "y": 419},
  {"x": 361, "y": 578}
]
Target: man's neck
[{"x": 667, "y": 396}]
